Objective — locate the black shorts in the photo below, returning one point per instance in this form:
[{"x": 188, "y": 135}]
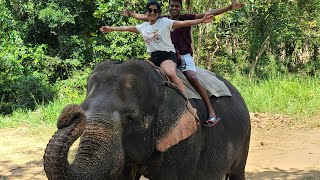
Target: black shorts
[{"x": 158, "y": 57}]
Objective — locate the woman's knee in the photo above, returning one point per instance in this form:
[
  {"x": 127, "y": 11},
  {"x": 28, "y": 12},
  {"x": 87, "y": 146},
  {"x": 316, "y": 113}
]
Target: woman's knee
[
  {"x": 171, "y": 75},
  {"x": 170, "y": 72}
]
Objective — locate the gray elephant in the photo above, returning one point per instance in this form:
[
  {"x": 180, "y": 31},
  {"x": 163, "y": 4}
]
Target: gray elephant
[{"x": 133, "y": 122}]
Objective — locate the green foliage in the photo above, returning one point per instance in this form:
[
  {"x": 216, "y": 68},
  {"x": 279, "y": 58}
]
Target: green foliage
[
  {"x": 286, "y": 32},
  {"x": 291, "y": 94},
  {"x": 55, "y": 16},
  {"x": 31, "y": 91},
  {"x": 119, "y": 45},
  {"x": 68, "y": 91},
  {"x": 73, "y": 87},
  {"x": 47, "y": 114},
  {"x": 19, "y": 64},
  {"x": 25, "y": 92},
  {"x": 7, "y": 23},
  {"x": 287, "y": 24}
]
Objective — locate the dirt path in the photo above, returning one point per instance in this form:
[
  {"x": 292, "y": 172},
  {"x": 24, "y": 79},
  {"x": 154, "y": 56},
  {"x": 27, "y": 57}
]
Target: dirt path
[{"x": 280, "y": 149}]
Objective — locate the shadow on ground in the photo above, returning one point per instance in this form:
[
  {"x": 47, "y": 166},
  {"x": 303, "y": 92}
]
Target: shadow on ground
[
  {"x": 276, "y": 173},
  {"x": 30, "y": 170},
  {"x": 34, "y": 170}
]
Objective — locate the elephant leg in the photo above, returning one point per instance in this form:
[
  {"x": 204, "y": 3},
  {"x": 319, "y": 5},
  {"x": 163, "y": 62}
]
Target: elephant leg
[
  {"x": 237, "y": 170},
  {"x": 130, "y": 173}
]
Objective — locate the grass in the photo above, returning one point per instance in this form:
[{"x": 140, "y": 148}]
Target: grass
[
  {"x": 290, "y": 95},
  {"x": 43, "y": 115}
]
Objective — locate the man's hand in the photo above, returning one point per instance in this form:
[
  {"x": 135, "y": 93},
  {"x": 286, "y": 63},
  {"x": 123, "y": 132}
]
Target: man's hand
[
  {"x": 235, "y": 5},
  {"x": 207, "y": 18},
  {"x": 105, "y": 29},
  {"x": 125, "y": 12}
]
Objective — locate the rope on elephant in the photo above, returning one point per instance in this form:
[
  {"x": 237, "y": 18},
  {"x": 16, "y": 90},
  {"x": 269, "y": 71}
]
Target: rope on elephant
[
  {"x": 159, "y": 71},
  {"x": 166, "y": 81},
  {"x": 193, "y": 111}
]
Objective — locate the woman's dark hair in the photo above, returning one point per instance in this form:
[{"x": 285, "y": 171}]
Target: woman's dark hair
[{"x": 153, "y": 2}]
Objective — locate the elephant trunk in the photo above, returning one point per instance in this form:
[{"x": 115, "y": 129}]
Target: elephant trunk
[{"x": 96, "y": 143}]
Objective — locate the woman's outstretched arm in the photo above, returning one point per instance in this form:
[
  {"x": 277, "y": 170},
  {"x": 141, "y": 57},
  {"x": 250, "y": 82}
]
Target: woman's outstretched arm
[{"x": 107, "y": 29}]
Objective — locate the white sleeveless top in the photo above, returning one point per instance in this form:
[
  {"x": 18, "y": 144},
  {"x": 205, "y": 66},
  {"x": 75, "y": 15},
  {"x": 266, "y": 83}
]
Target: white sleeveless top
[{"x": 157, "y": 36}]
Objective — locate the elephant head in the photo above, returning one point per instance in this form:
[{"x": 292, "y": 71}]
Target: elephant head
[{"x": 130, "y": 112}]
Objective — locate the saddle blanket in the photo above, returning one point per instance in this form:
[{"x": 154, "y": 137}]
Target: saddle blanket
[{"x": 209, "y": 80}]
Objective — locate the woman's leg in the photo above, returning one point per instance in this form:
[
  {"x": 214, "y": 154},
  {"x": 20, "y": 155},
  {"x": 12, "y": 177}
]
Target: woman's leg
[{"x": 169, "y": 68}]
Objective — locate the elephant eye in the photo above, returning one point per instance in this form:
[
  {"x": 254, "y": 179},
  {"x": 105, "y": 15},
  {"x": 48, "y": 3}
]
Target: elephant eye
[{"x": 129, "y": 118}]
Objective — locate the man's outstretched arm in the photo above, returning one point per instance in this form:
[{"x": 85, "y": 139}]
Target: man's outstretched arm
[
  {"x": 233, "y": 6},
  {"x": 137, "y": 16}
]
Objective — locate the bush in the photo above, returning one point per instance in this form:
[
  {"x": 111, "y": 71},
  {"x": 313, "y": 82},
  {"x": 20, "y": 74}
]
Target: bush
[
  {"x": 26, "y": 92},
  {"x": 73, "y": 87}
]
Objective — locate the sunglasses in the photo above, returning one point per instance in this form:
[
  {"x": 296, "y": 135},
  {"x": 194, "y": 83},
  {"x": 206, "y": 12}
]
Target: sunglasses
[{"x": 156, "y": 11}]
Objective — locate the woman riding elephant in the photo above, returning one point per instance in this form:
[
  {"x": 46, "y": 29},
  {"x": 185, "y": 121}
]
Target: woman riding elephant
[{"x": 156, "y": 33}]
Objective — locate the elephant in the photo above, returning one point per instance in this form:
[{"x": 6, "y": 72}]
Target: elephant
[{"x": 134, "y": 122}]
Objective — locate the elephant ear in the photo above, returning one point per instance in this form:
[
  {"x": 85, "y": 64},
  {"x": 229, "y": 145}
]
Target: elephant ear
[{"x": 173, "y": 130}]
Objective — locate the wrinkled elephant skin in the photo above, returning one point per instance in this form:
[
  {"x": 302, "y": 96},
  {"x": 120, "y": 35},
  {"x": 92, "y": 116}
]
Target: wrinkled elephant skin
[{"x": 133, "y": 122}]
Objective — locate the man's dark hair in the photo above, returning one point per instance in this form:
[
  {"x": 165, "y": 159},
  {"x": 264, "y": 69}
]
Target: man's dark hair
[
  {"x": 153, "y": 2},
  {"x": 180, "y": 1}
]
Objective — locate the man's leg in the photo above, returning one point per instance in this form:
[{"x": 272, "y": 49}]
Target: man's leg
[
  {"x": 190, "y": 73},
  {"x": 192, "y": 78}
]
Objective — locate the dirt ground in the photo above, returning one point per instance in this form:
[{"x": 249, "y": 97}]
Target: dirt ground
[{"x": 281, "y": 148}]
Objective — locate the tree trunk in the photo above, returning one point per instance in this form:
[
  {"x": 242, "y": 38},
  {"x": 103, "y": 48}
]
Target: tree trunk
[
  {"x": 189, "y": 6},
  {"x": 316, "y": 57},
  {"x": 263, "y": 47},
  {"x": 202, "y": 31},
  {"x": 315, "y": 53}
]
